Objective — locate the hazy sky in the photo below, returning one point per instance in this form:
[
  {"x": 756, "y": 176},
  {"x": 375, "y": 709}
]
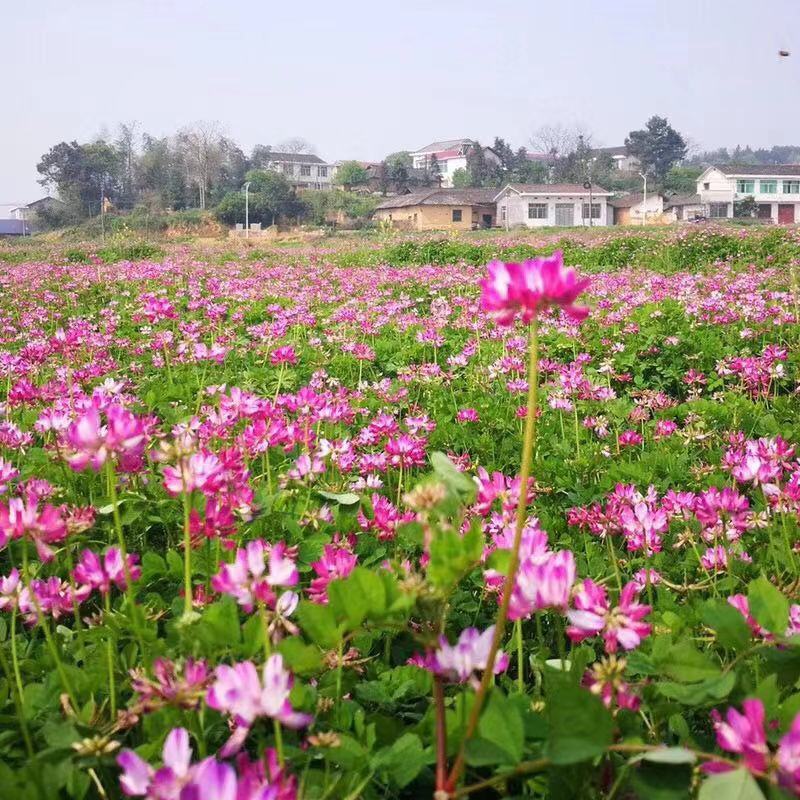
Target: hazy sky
[{"x": 362, "y": 79}]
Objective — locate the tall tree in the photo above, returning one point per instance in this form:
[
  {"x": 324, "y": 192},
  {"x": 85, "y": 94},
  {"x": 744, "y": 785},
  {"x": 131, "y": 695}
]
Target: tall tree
[
  {"x": 295, "y": 144},
  {"x": 350, "y": 174},
  {"x": 126, "y": 143},
  {"x": 658, "y": 146},
  {"x": 202, "y": 146}
]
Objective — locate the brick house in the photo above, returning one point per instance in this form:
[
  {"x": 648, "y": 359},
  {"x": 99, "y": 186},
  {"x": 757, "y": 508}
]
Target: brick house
[{"x": 440, "y": 209}]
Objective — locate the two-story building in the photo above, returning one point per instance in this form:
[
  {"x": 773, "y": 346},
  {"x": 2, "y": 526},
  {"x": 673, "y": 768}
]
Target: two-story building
[
  {"x": 560, "y": 204},
  {"x": 302, "y": 170},
  {"x": 775, "y": 188},
  {"x": 449, "y": 155}
]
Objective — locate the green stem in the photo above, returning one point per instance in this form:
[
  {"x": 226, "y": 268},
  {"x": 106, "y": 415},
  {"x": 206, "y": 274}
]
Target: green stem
[
  {"x": 112, "y": 690},
  {"x": 613, "y": 556},
  {"x": 187, "y": 557},
  {"x": 18, "y": 694},
  {"x": 520, "y": 658},
  {"x": 528, "y": 445}
]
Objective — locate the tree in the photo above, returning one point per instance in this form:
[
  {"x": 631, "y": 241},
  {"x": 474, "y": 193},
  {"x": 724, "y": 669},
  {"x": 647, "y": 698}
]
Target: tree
[
  {"x": 125, "y": 143},
  {"x": 271, "y": 199},
  {"x": 295, "y": 144},
  {"x": 658, "y": 146},
  {"x": 400, "y": 158},
  {"x": 350, "y": 174},
  {"x": 747, "y": 207},
  {"x": 682, "y": 179},
  {"x": 82, "y": 174},
  {"x": 435, "y": 170},
  {"x": 557, "y": 140},
  {"x": 461, "y": 178},
  {"x": 203, "y": 151}
]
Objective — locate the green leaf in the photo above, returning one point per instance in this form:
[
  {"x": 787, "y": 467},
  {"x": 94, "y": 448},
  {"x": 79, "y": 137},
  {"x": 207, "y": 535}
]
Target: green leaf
[
  {"x": 695, "y": 694},
  {"x": 343, "y": 498},
  {"x": 359, "y": 595},
  {"x": 670, "y": 755},
  {"x": 683, "y": 662},
  {"x": 220, "y": 623},
  {"x": 738, "y": 784},
  {"x": 502, "y": 725},
  {"x": 452, "y": 555},
  {"x": 581, "y": 726},
  {"x": 728, "y": 624},
  {"x": 319, "y": 624},
  {"x": 453, "y": 479},
  {"x": 301, "y": 658},
  {"x": 768, "y": 605},
  {"x": 402, "y": 761}
]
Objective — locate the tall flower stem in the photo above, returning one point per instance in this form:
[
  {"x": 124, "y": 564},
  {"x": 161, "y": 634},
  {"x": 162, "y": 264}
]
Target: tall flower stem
[
  {"x": 130, "y": 593},
  {"x": 441, "y": 734},
  {"x": 508, "y": 587},
  {"x": 18, "y": 683},
  {"x": 276, "y": 725},
  {"x": 112, "y": 691},
  {"x": 520, "y": 658},
  {"x": 187, "y": 556}
]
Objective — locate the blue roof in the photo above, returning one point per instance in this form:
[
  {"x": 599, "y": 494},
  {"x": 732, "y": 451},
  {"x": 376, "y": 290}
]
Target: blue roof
[{"x": 12, "y": 227}]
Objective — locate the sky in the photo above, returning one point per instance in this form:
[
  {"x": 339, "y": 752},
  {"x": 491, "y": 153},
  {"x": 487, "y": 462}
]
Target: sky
[{"x": 363, "y": 79}]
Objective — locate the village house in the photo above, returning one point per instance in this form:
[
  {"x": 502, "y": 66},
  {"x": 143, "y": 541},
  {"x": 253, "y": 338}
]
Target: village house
[
  {"x": 450, "y": 155},
  {"x": 440, "y": 209},
  {"x": 776, "y": 190},
  {"x": 633, "y": 209},
  {"x": 683, "y": 207},
  {"x": 302, "y": 170},
  {"x": 623, "y": 161},
  {"x": 560, "y": 204},
  {"x": 30, "y": 211}
]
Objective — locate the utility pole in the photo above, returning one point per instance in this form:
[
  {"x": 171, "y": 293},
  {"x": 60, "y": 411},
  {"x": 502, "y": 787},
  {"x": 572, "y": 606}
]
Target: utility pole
[
  {"x": 103, "y": 212},
  {"x": 247, "y": 209},
  {"x": 643, "y": 176}
]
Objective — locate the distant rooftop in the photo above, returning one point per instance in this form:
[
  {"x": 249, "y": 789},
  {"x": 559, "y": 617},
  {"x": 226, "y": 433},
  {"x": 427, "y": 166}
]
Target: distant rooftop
[
  {"x": 760, "y": 169},
  {"x": 552, "y": 189},
  {"x": 296, "y": 158},
  {"x": 446, "y": 144},
  {"x": 441, "y": 197}
]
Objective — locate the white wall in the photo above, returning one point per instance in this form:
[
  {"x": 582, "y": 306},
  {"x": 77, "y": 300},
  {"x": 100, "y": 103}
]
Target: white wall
[
  {"x": 517, "y": 210},
  {"x": 654, "y": 208}
]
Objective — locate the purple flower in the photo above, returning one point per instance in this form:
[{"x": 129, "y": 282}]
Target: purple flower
[{"x": 460, "y": 662}]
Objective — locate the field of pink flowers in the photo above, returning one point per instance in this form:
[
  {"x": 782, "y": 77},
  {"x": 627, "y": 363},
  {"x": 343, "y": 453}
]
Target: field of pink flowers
[{"x": 308, "y": 530}]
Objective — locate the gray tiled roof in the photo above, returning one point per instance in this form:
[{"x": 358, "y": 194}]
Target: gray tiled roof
[
  {"x": 296, "y": 158},
  {"x": 760, "y": 169},
  {"x": 441, "y": 197}
]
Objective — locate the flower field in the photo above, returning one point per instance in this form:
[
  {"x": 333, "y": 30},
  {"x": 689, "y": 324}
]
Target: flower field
[{"x": 320, "y": 525}]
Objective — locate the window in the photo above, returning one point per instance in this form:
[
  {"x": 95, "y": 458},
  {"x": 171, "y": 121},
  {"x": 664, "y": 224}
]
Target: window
[
  {"x": 305, "y": 170},
  {"x": 745, "y": 187},
  {"x": 718, "y": 210},
  {"x": 595, "y": 211},
  {"x": 456, "y": 215},
  {"x": 791, "y": 187},
  {"x": 768, "y": 187},
  {"x": 503, "y": 213},
  {"x": 706, "y": 185},
  {"x": 322, "y": 172},
  {"x": 537, "y": 210},
  {"x": 442, "y": 166}
]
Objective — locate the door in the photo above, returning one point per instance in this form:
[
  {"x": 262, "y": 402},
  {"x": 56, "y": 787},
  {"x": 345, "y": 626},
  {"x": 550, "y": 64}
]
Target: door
[
  {"x": 486, "y": 220},
  {"x": 786, "y": 213},
  {"x": 764, "y": 210},
  {"x": 565, "y": 214}
]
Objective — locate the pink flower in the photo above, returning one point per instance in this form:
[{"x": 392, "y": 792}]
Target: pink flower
[
  {"x": 630, "y": 438},
  {"x": 643, "y": 527},
  {"x": 248, "y": 579},
  {"x": 460, "y": 662},
  {"x": 238, "y": 692},
  {"x": 606, "y": 679},
  {"x": 203, "y": 472},
  {"x": 743, "y": 734},
  {"x": 22, "y": 518},
  {"x": 664, "y": 428},
  {"x": 543, "y": 581},
  {"x": 531, "y": 287},
  {"x": 140, "y": 779},
  {"x": 91, "y": 443},
  {"x": 714, "y": 559},
  {"x": 741, "y": 604},
  {"x": 283, "y": 355},
  {"x": 467, "y": 415},
  {"x": 336, "y": 562},
  {"x": 182, "y": 686},
  {"x": 787, "y": 758},
  {"x": 96, "y": 573},
  {"x": 621, "y": 626}
]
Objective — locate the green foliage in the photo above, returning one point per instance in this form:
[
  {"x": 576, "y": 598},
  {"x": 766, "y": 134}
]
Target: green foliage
[
  {"x": 350, "y": 174},
  {"x": 658, "y": 146}
]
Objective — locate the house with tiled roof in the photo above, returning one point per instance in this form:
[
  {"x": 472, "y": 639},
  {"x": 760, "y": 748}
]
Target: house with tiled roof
[
  {"x": 635, "y": 208},
  {"x": 538, "y": 205},
  {"x": 449, "y": 155},
  {"x": 775, "y": 188},
  {"x": 302, "y": 170},
  {"x": 440, "y": 209}
]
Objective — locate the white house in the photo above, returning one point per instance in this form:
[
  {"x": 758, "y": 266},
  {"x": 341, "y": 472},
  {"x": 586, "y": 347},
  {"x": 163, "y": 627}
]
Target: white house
[
  {"x": 450, "y": 155},
  {"x": 775, "y": 188},
  {"x": 623, "y": 161},
  {"x": 302, "y": 170},
  {"x": 561, "y": 204},
  {"x": 682, "y": 207}
]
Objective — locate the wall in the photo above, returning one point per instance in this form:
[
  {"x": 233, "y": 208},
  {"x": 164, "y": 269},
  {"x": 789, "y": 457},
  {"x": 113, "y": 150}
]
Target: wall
[
  {"x": 517, "y": 206},
  {"x": 431, "y": 218}
]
